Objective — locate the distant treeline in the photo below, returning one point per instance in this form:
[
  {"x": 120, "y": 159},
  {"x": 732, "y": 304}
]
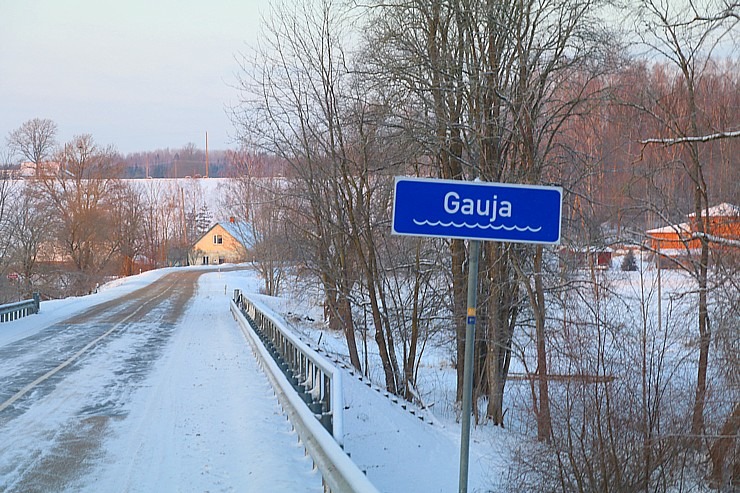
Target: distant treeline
[{"x": 190, "y": 161}]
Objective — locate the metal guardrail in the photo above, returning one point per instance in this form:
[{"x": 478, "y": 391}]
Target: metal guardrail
[
  {"x": 316, "y": 381},
  {"x": 14, "y": 311},
  {"x": 309, "y": 389}
]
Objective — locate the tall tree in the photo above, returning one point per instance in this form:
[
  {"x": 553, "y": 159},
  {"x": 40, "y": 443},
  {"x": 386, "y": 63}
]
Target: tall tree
[
  {"x": 161, "y": 221},
  {"x": 30, "y": 228},
  {"x": 686, "y": 36},
  {"x": 80, "y": 196},
  {"x": 9, "y": 192},
  {"x": 256, "y": 203},
  {"x": 496, "y": 81},
  {"x": 127, "y": 219},
  {"x": 34, "y": 141},
  {"x": 290, "y": 110},
  {"x": 312, "y": 104}
]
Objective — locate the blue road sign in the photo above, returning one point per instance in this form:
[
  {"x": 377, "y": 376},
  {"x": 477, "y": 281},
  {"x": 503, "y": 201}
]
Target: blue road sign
[{"x": 477, "y": 210}]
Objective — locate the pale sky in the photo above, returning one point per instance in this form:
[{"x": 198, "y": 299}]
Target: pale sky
[{"x": 136, "y": 74}]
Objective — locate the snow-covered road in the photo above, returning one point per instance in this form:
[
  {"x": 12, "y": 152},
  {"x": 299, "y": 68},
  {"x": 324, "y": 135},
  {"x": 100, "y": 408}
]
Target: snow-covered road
[{"x": 154, "y": 391}]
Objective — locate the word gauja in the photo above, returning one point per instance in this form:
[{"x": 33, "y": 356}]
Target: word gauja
[{"x": 478, "y": 207}]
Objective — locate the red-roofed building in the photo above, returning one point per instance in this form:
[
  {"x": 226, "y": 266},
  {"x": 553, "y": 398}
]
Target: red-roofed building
[{"x": 680, "y": 240}]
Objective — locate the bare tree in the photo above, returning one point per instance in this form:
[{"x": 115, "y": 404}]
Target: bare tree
[
  {"x": 687, "y": 38},
  {"x": 496, "y": 82},
  {"x": 34, "y": 141},
  {"x": 80, "y": 199},
  {"x": 293, "y": 111},
  {"x": 30, "y": 228},
  {"x": 257, "y": 205},
  {"x": 160, "y": 221},
  {"x": 8, "y": 196},
  {"x": 127, "y": 220}
]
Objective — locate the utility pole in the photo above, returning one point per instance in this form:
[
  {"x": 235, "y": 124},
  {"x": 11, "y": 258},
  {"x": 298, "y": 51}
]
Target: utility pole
[
  {"x": 184, "y": 242},
  {"x": 206, "y": 154}
]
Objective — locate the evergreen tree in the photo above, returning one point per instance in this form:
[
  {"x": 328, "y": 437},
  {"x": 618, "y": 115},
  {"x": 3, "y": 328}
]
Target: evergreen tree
[{"x": 629, "y": 263}]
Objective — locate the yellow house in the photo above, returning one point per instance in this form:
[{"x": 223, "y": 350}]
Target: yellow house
[{"x": 227, "y": 242}]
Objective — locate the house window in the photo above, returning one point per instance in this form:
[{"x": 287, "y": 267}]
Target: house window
[
  {"x": 218, "y": 239},
  {"x": 221, "y": 260}
]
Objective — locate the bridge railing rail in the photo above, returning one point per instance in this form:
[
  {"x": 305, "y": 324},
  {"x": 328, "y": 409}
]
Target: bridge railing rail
[
  {"x": 19, "y": 309},
  {"x": 309, "y": 389}
]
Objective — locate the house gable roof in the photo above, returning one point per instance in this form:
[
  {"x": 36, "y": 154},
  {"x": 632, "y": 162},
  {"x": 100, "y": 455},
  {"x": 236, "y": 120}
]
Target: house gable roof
[
  {"x": 239, "y": 230},
  {"x": 722, "y": 210}
]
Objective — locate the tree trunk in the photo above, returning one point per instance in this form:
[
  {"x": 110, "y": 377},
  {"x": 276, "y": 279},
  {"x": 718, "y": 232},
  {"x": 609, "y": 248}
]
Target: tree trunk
[
  {"x": 338, "y": 311},
  {"x": 408, "y": 369},
  {"x": 380, "y": 340},
  {"x": 457, "y": 251},
  {"x": 348, "y": 327},
  {"x": 447, "y": 112},
  {"x": 724, "y": 446},
  {"x": 501, "y": 314},
  {"x": 705, "y": 336}
]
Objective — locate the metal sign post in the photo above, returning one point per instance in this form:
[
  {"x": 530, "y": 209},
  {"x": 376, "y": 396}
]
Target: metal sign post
[
  {"x": 467, "y": 406},
  {"x": 475, "y": 211}
]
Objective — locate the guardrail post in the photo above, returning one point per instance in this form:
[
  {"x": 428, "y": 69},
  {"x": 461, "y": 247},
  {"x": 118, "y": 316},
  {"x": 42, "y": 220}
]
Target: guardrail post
[{"x": 37, "y": 301}]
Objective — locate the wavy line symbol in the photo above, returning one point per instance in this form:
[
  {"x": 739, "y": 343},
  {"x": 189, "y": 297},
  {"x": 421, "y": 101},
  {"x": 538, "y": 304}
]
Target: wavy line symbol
[{"x": 477, "y": 226}]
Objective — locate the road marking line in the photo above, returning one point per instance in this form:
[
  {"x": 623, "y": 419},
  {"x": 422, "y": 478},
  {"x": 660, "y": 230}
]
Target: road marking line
[{"x": 79, "y": 353}]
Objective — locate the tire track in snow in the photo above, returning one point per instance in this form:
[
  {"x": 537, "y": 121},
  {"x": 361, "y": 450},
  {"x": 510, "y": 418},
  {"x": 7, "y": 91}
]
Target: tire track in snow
[
  {"x": 77, "y": 320},
  {"x": 206, "y": 419},
  {"x": 64, "y": 421}
]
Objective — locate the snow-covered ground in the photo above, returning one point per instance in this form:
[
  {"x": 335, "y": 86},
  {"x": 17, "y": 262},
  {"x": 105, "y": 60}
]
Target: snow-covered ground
[
  {"x": 401, "y": 447},
  {"x": 184, "y": 407},
  {"x": 206, "y": 419},
  {"x": 155, "y": 406},
  {"x": 197, "y": 414}
]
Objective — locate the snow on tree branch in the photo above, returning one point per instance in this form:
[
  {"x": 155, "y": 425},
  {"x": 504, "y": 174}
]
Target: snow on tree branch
[
  {"x": 684, "y": 140},
  {"x": 718, "y": 239}
]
